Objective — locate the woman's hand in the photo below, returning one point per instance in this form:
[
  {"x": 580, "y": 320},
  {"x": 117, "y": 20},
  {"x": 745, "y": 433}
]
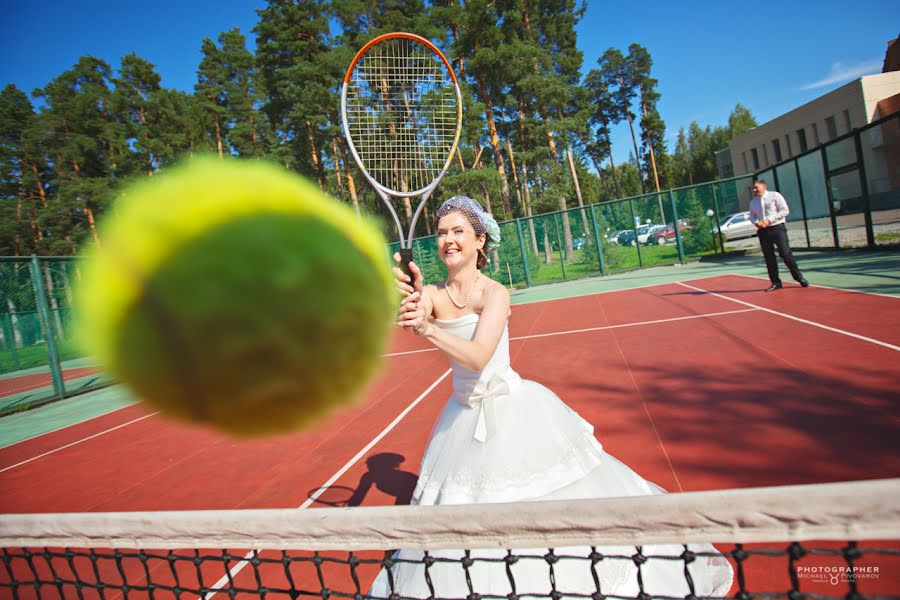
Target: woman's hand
[
  {"x": 414, "y": 313},
  {"x": 402, "y": 280}
]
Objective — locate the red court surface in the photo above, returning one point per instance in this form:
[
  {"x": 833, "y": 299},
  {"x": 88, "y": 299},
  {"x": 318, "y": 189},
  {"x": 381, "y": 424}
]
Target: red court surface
[
  {"x": 36, "y": 381},
  {"x": 699, "y": 385}
]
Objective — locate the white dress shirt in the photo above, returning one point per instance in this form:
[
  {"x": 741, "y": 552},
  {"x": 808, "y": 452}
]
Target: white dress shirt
[{"x": 771, "y": 205}]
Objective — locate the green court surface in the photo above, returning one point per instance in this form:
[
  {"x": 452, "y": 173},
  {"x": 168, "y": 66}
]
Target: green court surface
[{"x": 875, "y": 272}]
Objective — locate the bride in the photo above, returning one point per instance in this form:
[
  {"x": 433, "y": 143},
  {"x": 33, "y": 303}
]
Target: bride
[{"x": 501, "y": 438}]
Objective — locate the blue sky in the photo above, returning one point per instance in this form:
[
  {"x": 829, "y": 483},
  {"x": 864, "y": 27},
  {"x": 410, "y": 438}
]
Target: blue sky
[{"x": 771, "y": 56}]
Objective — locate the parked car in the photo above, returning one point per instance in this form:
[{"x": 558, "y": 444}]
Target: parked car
[
  {"x": 646, "y": 233},
  {"x": 613, "y": 236},
  {"x": 736, "y": 225},
  {"x": 626, "y": 238},
  {"x": 667, "y": 234}
]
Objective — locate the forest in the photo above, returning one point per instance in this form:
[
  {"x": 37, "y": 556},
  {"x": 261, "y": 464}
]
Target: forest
[{"x": 536, "y": 134}]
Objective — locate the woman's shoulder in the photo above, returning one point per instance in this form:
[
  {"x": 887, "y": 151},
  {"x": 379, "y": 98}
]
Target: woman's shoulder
[{"x": 495, "y": 289}]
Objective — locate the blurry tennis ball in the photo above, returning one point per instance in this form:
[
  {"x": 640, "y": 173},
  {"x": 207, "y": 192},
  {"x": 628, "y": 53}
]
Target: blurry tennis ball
[{"x": 237, "y": 294}]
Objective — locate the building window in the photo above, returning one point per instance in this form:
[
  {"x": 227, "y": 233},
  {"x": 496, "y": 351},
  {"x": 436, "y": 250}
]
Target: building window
[
  {"x": 847, "y": 121},
  {"x": 765, "y": 155},
  {"x": 744, "y": 156},
  {"x": 815, "y": 129},
  {"x": 787, "y": 139},
  {"x": 831, "y": 127},
  {"x": 755, "y": 155},
  {"x": 801, "y": 139},
  {"x": 776, "y": 150}
]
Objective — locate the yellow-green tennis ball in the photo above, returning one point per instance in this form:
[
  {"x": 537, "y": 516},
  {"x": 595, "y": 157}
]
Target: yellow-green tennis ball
[{"x": 237, "y": 294}]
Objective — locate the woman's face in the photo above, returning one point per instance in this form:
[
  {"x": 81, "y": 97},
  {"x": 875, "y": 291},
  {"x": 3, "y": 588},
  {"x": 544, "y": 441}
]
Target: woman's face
[{"x": 457, "y": 242}]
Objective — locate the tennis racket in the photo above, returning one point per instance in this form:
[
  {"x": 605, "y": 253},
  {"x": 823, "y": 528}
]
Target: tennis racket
[{"x": 401, "y": 112}]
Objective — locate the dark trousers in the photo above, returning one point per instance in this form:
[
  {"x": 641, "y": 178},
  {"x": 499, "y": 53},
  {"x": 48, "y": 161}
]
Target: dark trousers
[{"x": 776, "y": 237}]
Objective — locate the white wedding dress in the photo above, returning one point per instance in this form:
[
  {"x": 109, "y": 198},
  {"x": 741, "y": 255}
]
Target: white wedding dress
[{"x": 501, "y": 438}]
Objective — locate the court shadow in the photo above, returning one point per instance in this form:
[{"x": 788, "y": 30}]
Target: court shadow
[{"x": 383, "y": 474}]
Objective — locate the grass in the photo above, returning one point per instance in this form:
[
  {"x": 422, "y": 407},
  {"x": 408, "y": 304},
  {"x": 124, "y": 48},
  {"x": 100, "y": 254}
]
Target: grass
[
  {"x": 35, "y": 355},
  {"x": 617, "y": 259},
  {"x": 891, "y": 237}
]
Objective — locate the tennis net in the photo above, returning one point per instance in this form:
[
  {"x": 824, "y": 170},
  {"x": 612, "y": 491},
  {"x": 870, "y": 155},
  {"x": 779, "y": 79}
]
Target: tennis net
[{"x": 837, "y": 540}]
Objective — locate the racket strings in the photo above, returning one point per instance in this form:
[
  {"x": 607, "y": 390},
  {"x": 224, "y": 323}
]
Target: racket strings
[{"x": 402, "y": 113}]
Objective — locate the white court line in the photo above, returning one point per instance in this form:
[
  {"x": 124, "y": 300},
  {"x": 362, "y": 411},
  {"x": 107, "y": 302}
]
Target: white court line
[
  {"x": 792, "y": 317},
  {"x": 603, "y": 328},
  {"x": 34, "y": 437},
  {"x": 240, "y": 566},
  {"x": 628, "y": 289},
  {"x": 829, "y": 287},
  {"x": 19, "y": 464}
]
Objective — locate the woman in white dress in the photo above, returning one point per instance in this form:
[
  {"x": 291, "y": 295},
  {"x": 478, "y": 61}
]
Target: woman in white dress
[{"x": 503, "y": 439}]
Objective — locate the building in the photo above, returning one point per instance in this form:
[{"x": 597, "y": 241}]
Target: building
[{"x": 838, "y": 112}]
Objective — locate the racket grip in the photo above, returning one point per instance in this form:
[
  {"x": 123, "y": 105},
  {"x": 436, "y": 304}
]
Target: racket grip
[{"x": 406, "y": 256}]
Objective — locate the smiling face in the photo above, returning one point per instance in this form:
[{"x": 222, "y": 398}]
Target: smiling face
[
  {"x": 457, "y": 243},
  {"x": 759, "y": 188}
]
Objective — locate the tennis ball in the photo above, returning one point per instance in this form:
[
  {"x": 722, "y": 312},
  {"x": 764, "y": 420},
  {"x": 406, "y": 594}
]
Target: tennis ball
[{"x": 237, "y": 294}]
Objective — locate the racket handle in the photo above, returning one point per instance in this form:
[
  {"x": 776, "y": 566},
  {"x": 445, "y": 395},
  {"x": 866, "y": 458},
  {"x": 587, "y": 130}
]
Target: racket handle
[{"x": 406, "y": 256}]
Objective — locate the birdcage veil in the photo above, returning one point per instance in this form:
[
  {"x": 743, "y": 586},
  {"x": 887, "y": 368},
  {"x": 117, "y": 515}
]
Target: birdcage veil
[{"x": 481, "y": 220}]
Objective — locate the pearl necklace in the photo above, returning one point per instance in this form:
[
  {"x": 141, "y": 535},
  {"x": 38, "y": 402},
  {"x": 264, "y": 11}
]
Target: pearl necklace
[{"x": 453, "y": 300}]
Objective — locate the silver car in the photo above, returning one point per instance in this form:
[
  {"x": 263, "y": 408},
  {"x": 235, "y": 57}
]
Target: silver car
[{"x": 737, "y": 225}]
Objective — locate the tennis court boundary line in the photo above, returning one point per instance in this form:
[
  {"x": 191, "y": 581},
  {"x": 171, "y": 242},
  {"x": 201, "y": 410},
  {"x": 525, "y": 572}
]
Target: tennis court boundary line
[
  {"x": 237, "y": 568},
  {"x": 76, "y": 442},
  {"x": 827, "y": 287},
  {"x": 601, "y": 328},
  {"x": 798, "y": 319},
  {"x": 601, "y": 277}
]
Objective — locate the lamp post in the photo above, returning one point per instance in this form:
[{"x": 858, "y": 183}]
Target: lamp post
[{"x": 712, "y": 227}]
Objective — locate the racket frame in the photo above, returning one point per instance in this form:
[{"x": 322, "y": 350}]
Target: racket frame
[{"x": 382, "y": 191}]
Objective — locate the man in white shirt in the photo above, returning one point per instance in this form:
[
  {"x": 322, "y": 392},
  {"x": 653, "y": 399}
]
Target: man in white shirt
[{"x": 768, "y": 211}]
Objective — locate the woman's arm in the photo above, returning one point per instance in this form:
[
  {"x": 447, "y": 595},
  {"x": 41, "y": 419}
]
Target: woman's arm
[{"x": 474, "y": 354}]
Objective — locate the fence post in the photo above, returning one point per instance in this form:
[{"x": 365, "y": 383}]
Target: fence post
[
  {"x": 834, "y": 227},
  {"x": 675, "y": 224},
  {"x": 562, "y": 251},
  {"x": 597, "y": 239},
  {"x": 802, "y": 201},
  {"x": 718, "y": 221},
  {"x": 634, "y": 227},
  {"x": 524, "y": 254},
  {"x": 864, "y": 185},
  {"x": 47, "y": 328}
]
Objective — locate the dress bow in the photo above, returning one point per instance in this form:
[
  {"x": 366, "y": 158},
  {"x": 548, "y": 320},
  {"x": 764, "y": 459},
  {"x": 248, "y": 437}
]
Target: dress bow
[{"x": 497, "y": 385}]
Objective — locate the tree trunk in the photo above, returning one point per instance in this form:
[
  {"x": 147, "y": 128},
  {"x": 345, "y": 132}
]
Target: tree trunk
[
  {"x": 548, "y": 249},
  {"x": 351, "y": 183},
  {"x": 495, "y": 144},
  {"x": 512, "y": 166},
  {"x": 637, "y": 154},
  {"x": 92, "y": 225},
  {"x": 314, "y": 156},
  {"x": 14, "y": 322},
  {"x": 662, "y": 215},
  {"x": 612, "y": 166},
  {"x": 584, "y": 223},
  {"x": 54, "y": 305},
  {"x": 528, "y": 212},
  {"x": 567, "y": 230},
  {"x": 219, "y": 145},
  {"x": 338, "y": 176}
]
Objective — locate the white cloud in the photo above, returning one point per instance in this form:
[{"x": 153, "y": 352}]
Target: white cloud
[{"x": 841, "y": 72}]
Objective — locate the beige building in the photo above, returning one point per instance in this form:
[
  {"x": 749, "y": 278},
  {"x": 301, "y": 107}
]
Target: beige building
[{"x": 838, "y": 112}]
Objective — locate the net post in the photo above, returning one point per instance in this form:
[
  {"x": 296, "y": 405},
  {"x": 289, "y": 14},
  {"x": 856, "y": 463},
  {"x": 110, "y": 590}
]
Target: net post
[
  {"x": 524, "y": 253},
  {"x": 47, "y": 327}
]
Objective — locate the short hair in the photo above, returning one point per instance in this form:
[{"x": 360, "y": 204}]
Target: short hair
[{"x": 762, "y": 181}]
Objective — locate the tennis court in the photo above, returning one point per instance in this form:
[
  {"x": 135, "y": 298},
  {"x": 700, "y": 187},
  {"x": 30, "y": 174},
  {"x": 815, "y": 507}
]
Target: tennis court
[{"x": 699, "y": 384}]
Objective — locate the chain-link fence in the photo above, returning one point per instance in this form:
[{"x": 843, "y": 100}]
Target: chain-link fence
[
  {"x": 39, "y": 357},
  {"x": 845, "y": 193}
]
